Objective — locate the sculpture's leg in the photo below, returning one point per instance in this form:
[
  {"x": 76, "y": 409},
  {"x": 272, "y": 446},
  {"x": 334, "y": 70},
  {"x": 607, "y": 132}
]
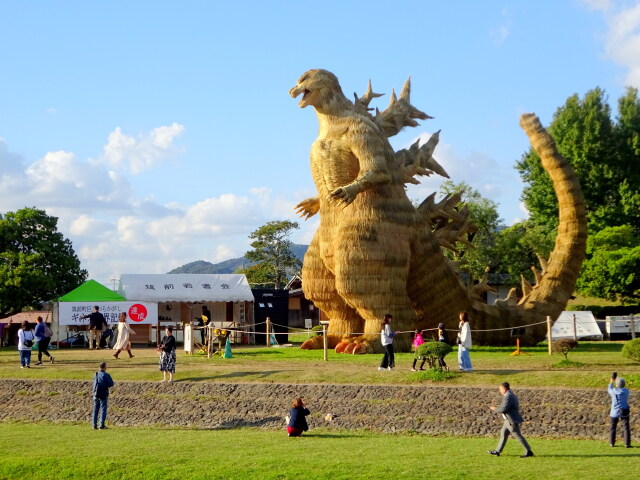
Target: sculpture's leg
[
  {"x": 319, "y": 287},
  {"x": 371, "y": 275}
]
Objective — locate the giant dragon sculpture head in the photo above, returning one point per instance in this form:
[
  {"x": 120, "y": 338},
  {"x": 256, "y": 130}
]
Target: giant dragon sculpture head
[{"x": 319, "y": 88}]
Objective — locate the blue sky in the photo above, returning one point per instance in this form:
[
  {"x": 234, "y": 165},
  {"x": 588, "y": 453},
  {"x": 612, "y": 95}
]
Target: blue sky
[{"x": 162, "y": 132}]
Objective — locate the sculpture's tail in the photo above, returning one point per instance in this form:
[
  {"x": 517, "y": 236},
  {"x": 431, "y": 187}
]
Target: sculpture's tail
[{"x": 557, "y": 281}]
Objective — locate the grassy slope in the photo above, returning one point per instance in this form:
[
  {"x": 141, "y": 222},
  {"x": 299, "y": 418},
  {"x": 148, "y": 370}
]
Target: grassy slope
[
  {"x": 46, "y": 451},
  {"x": 492, "y": 366}
]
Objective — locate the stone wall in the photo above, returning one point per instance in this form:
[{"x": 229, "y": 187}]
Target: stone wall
[{"x": 578, "y": 413}]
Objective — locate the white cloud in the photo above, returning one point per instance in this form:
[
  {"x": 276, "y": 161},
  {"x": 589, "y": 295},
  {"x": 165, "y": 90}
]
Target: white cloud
[
  {"x": 477, "y": 169},
  {"x": 622, "y": 37},
  {"x": 136, "y": 155},
  {"x": 115, "y": 232},
  {"x": 500, "y": 33}
]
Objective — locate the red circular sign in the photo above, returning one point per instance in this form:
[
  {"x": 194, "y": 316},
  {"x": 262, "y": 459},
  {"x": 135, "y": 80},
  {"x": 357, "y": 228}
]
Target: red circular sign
[{"x": 137, "y": 312}]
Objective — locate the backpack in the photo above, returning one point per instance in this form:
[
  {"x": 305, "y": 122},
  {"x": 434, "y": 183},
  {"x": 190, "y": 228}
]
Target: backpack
[{"x": 47, "y": 331}]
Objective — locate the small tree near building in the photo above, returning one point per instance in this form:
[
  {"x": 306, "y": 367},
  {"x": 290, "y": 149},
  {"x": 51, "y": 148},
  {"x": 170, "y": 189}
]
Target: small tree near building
[{"x": 272, "y": 253}]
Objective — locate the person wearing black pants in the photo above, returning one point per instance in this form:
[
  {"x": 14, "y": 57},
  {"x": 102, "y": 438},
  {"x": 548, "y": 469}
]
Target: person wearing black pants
[
  {"x": 386, "y": 337},
  {"x": 43, "y": 340},
  {"x": 619, "y": 411}
]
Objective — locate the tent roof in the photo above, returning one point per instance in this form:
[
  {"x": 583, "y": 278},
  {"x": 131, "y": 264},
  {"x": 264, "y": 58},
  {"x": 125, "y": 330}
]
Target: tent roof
[
  {"x": 184, "y": 287},
  {"x": 91, "y": 291},
  {"x": 586, "y": 325}
]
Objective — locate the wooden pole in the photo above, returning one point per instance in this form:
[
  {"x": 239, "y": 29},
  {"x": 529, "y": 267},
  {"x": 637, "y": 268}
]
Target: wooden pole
[
  {"x": 575, "y": 331},
  {"x": 549, "y": 334},
  {"x": 268, "y": 332},
  {"x": 325, "y": 342}
]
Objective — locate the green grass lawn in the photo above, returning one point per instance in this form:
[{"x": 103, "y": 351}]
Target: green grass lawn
[
  {"x": 492, "y": 365},
  {"x": 63, "y": 451}
]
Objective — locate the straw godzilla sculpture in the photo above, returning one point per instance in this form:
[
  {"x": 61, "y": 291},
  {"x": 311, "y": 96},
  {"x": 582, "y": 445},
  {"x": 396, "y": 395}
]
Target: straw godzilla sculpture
[{"x": 374, "y": 252}]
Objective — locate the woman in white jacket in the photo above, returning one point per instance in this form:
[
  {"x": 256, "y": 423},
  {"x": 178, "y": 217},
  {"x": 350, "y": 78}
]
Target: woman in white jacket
[
  {"x": 386, "y": 337},
  {"x": 124, "y": 332},
  {"x": 464, "y": 343},
  {"x": 25, "y": 342}
]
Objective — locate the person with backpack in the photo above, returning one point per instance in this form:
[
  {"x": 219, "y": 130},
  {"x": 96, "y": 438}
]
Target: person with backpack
[
  {"x": 25, "y": 342},
  {"x": 43, "y": 336},
  {"x": 102, "y": 382}
]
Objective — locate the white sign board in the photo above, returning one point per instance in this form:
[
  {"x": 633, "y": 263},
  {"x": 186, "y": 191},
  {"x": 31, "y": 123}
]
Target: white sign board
[
  {"x": 69, "y": 313},
  {"x": 308, "y": 323}
]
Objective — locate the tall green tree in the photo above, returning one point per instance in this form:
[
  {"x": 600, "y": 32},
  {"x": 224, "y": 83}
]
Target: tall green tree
[
  {"x": 612, "y": 269},
  {"x": 36, "y": 262},
  {"x": 274, "y": 260}
]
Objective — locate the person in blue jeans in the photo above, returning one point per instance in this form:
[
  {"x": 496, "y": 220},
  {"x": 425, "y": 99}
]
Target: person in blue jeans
[
  {"x": 619, "y": 411},
  {"x": 102, "y": 382}
]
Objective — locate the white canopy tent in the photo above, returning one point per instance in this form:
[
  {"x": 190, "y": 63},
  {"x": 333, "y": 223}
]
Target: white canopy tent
[
  {"x": 228, "y": 296},
  {"x": 585, "y": 325},
  {"x": 183, "y": 287}
]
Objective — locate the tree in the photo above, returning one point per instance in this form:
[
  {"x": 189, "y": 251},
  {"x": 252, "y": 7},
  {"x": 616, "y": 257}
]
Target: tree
[
  {"x": 612, "y": 268},
  {"x": 272, "y": 254},
  {"x": 36, "y": 262},
  {"x": 483, "y": 213}
]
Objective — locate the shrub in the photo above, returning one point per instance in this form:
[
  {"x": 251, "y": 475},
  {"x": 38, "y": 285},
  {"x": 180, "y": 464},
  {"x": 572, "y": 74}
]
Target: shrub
[
  {"x": 631, "y": 350},
  {"x": 317, "y": 329},
  {"x": 431, "y": 351},
  {"x": 564, "y": 346}
]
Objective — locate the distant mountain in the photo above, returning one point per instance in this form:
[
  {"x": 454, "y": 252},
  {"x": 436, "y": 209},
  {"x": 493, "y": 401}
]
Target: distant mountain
[{"x": 229, "y": 266}]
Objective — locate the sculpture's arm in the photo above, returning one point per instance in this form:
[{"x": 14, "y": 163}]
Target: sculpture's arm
[
  {"x": 370, "y": 152},
  {"x": 308, "y": 207}
]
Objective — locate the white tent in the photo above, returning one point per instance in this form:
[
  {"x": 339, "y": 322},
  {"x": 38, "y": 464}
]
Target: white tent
[
  {"x": 585, "y": 326},
  {"x": 180, "y": 296},
  {"x": 183, "y": 287}
]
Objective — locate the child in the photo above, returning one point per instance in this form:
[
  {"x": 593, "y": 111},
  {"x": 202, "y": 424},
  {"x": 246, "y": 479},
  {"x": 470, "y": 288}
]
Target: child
[
  {"x": 417, "y": 341},
  {"x": 442, "y": 337}
]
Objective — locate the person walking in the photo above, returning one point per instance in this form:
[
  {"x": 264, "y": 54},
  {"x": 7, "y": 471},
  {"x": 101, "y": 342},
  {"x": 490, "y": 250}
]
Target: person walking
[
  {"x": 442, "y": 337},
  {"x": 102, "y": 382},
  {"x": 25, "y": 342},
  {"x": 43, "y": 336},
  {"x": 417, "y": 341},
  {"x": 297, "y": 418},
  {"x": 96, "y": 322},
  {"x": 619, "y": 411},
  {"x": 510, "y": 410},
  {"x": 167, "y": 350},
  {"x": 464, "y": 343},
  {"x": 386, "y": 336},
  {"x": 124, "y": 332}
]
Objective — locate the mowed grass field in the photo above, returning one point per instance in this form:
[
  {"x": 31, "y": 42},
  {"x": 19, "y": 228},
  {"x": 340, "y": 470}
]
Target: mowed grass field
[
  {"x": 43, "y": 450},
  {"x": 492, "y": 366},
  {"x": 48, "y": 451}
]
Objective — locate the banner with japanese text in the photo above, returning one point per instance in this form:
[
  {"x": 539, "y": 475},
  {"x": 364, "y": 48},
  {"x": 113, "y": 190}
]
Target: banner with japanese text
[{"x": 69, "y": 313}]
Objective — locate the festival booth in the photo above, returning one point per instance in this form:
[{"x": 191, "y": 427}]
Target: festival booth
[
  {"x": 81, "y": 301},
  {"x": 180, "y": 298}
]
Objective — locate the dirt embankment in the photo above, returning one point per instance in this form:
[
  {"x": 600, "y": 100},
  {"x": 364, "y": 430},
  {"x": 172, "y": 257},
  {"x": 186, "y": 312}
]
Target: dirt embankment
[{"x": 430, "y": 410}]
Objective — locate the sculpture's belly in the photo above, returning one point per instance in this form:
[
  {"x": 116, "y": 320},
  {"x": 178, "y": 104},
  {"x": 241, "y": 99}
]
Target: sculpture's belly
[{"x": 333, "y": 165}]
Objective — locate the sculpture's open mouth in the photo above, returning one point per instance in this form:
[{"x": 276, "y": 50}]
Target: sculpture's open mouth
[{"x": 296, "y": 91}]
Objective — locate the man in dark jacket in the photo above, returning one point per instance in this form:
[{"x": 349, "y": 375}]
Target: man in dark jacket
[
  {"x": 96, "y": 321},
  {"x": 510, "y": 410},
  {"x": 102, "y": 382}
]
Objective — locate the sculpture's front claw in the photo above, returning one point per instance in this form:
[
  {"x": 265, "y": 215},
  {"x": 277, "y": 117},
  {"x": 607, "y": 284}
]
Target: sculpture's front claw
[
  {"x": 344, "y": 195},
  {"x": 308, "y": 207}
]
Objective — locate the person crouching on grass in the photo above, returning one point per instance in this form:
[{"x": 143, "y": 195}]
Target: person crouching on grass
[
  {"x": 297, "y": 421},
  {"x": 102, "y": 382}
]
